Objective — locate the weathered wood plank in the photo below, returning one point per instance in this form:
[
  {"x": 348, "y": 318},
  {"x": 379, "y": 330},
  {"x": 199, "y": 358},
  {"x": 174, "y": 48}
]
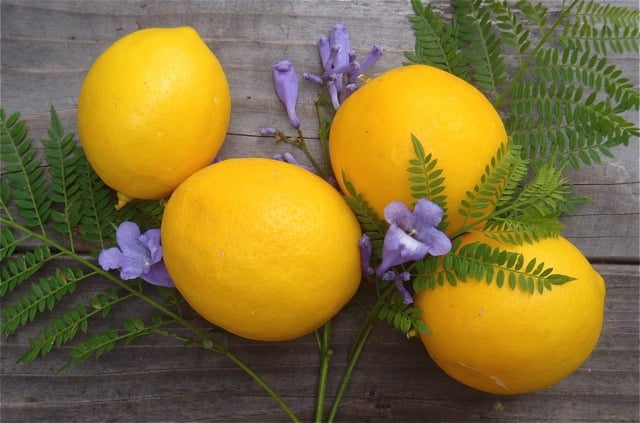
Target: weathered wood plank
[{"x": 47, "y": 46}]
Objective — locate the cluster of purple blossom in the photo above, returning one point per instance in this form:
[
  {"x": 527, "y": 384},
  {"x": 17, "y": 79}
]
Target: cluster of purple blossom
[{"x": 340, "y": 72}]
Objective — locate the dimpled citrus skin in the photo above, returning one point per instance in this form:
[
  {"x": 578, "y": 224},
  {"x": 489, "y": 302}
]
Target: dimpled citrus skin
[
  {"x": 508, "y": 341},
  {"x": 264, "y": 249},
  {"x": 153, "y": 108},
  {"x": 370, "y": 138}
]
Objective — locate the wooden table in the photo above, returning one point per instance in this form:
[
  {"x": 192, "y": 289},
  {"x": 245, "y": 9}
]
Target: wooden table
[{"x": 47, "y": 46}]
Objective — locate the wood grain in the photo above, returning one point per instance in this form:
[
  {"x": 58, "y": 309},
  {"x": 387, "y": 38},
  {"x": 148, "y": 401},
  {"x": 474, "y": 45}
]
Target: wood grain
[{"x": 46, "y": 49}]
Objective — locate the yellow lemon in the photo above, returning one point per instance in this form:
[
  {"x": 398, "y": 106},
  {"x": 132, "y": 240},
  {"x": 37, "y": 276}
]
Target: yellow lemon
[
  {"x": 153, "y": 108},
  {"x": 370, "y": 138},
  {"x": 506, "y": 341},
  {"x": 264, "y": 249}
]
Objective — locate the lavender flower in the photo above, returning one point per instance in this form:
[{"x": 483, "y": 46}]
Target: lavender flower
[
  {"x": 412, "y": 235},
  {"x": 286, "y": 85},
  {"x": 399, "y": 280},
  {"x": 364, "y": 244},
  {"x": 138, "y": 256},
  {"x": 338, "y": 60}
]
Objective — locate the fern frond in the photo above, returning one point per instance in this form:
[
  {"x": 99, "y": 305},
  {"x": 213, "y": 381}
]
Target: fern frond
[
  {"x": 371, "y": 223},
  {"x": 61, "y": 154},
  {"x": 494, "y": 265},
  {"x": 533, "y": 213},
  {"x": 102, "y": 342},
  {"x": 514, "y": 33},
  {"x": 42, "y": 297},
  {"x": 602, "y": 27},
  {"x": 505, "y": 170},
  {"x": 147, "y": 212},
  {"x": 17, "y": 269},
  {"x": 63, "y": 329},
  {"x": 426, "y": 179},
  {"x": 520, "y": 229},
  {"x": 97, "y": 222},
  {"x": 556, "y": 123},
  {"x": 23, "y": 172},
  {"x": 481, "y": 46},
  {"x": 403, "y": 317},
  {"x": 436, "y": 41}
]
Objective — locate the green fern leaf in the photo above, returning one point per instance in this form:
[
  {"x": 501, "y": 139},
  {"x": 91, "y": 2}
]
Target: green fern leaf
[
  {"x": 436, "y": 41},
  {"x": 481, "y": 46},
  {"x": 102, "y": 342},
  {"x": 63, "y": 329},
  {"x": 426, "y": 179},
  {"x": 371, "y": 224},
  {"x": 17, "y": 269},
  {"x": 42, "y": 297},
  {"x": 23, "y": 172},
  {"x": 61, "y": 154},
  {"x": 497, "y": 185},
  {"x": 97, "y": 221},
  {"x": 403, "y": 317},
  {"x": 603, "y": 27},
  {"x": 494, "y": 265}
]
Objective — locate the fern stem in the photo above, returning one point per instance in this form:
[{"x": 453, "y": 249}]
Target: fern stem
[{"x": 515, "y": 78}]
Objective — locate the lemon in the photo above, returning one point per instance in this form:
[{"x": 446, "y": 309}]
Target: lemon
[
  {"x": 153, "y": 108},
  {"x": 370, "y": 138},
  {"x": 508, "y": 341},
  {"x": 264, "y": 249}
]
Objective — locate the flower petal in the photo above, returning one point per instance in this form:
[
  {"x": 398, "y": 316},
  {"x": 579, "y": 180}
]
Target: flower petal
[
  {"x": 286, "y": 86},
  {"x": 364, "y": 244},
  {"x": 158, "y": 275},
  {"x": 151, "y": 240},
  {"x": 111, "y": 258},
  {"x": 127, "y": 237},
  {"x": 438, "y": 243},
  {"x": 426, "y": 214},
  {"x": 397, "y": 213},
  {"x": 399, "y": 248}
]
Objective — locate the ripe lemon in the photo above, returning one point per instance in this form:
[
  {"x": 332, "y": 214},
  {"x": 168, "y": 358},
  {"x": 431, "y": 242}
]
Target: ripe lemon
[
  {"x": 370, "y": 138},
  {"x": 508, "y": 341},
  {"x": 264, "y": 249},
  {"x": 153, "y": 108}
]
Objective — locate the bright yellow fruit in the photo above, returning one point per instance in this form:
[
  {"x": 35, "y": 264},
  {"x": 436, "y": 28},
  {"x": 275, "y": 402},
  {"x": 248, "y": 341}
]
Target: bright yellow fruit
[
  {"x": 508, "y": 341},
  {"x": 370, "y": 138},
  {"x": 154, "y": 108},
  {"x": 264, "y": 249}
]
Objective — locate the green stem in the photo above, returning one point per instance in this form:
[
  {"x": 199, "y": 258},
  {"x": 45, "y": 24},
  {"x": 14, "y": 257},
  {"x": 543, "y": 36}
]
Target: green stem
[
  {"x": 354, "y": 354},
  {"x": 325, "y": 356},
  {"x": 206, "y": 341}
]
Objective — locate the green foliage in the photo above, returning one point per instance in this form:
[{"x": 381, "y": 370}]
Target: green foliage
[
  {"x": 403, "y": 317},
  {"x": 491, "y": 265},
  {"x": 370, "y": 222},
  {"x": 498, "y": 183},
  {"x": 54, "y": 207},
  {"x": 547, "y": 71},
  {"x": 426, "y": 179}
]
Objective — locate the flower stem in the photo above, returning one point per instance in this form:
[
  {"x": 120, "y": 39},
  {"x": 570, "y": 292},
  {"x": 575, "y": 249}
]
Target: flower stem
[
  {"x": 358, "y": 345},
  {"x": 326, "y": 352}
]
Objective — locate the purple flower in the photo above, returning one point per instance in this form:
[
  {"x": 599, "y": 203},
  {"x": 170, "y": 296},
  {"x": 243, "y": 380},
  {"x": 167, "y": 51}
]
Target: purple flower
[
  {"x": 412, "y": 235},
  {"x": 399, "y": 280},
  {"x": 338, "y": 60},
  {"x": 286, "y": 85},
  {"x": 364, "y": 244},
  {"x": 139, "y": 255}
]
